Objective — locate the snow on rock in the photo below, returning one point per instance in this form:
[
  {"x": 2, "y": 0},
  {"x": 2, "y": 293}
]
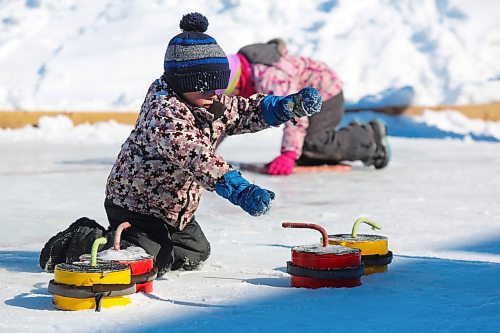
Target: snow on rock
[
  {"x": 320, "y": 249},
  {"x": 131, "y": 253}
]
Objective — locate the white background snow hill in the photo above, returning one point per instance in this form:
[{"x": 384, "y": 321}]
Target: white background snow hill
[
  {"x": 102, "y": 55},
  {"x": 437, "y": 201}
]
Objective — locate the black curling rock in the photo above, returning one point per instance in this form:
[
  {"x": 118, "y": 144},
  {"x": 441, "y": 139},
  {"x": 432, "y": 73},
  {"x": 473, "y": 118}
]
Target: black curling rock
[{"x": 194, "y": 22}]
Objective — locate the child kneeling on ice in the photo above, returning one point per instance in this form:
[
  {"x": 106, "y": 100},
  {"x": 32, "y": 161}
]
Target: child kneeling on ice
[{"x": 169, "y": 157}]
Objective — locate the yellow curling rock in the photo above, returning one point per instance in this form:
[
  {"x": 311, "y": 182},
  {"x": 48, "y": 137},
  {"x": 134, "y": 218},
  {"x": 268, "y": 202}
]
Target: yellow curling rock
[
  {"x": 83, "y": 286},
  {"x": 375, "y": 252}
]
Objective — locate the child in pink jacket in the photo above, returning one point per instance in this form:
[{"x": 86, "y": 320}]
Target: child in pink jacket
[{"x": 269, "y": 69}]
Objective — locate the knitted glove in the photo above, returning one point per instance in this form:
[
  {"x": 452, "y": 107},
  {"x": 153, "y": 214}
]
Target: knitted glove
[
  {"x": 277, "y": 110},
  {"x": 283, "y": 164},
  {"x": 251, "y": 198}
]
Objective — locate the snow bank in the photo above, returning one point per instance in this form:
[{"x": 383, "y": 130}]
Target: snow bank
[
  {"x": 431, "y": 124},
  {"x": 60, "y": 129},
  {"x": 456, "y": 122},
  {"x": 103, "y": 55}
]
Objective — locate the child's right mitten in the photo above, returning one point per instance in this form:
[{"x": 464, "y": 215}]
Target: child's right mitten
[
  {"x": 277, "y": 110},
  {"x": 251, "y": 198}
]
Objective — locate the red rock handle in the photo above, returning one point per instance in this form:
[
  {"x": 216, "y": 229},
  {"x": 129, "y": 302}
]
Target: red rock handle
[{"x": 308, "y": 226}]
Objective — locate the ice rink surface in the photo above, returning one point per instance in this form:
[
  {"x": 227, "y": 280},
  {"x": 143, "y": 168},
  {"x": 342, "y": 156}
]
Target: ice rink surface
[{"x": 437, "y": 202}]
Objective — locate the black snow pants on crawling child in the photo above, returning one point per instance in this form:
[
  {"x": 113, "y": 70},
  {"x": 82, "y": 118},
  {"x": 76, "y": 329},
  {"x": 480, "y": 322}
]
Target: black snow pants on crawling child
[
  {"x": 172, "y": 249},
  {"x": 324, "y": 144}
]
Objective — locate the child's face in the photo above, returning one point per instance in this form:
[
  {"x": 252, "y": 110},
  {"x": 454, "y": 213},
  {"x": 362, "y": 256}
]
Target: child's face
[{"x": 200, "y": 98}]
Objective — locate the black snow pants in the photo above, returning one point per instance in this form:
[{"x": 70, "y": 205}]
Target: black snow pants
[
  {"x": 171, "y": 248},
  {"x": 326, "y": 144}
]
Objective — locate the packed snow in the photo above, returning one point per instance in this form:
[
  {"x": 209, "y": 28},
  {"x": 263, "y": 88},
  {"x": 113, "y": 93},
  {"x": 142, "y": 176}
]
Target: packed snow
[{"x": 437, "y": 201}]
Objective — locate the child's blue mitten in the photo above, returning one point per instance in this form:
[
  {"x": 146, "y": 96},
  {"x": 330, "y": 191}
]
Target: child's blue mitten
[
  {"x": 251, "y": 198},
  {"x": 280, "y": 109}
]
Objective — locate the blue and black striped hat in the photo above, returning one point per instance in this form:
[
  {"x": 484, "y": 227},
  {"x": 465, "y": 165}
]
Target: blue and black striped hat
[{"x": 193, "y": 60}]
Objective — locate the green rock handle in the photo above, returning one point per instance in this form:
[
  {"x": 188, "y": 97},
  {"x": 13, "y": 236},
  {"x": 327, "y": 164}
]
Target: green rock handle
[
  {"x": 95, "y": 246},
  {"x": 374, "y": 225}
]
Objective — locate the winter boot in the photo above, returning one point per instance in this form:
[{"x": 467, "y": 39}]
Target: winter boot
[
  {"x": 56, "y": 249},
  {"x": 83, "y": 239},
  {"x": 355, "y": 122},
  {"x": 383, "y": 150}
]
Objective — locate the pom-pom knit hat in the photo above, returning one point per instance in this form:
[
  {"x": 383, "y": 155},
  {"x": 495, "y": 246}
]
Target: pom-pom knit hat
[{"x": 193, "y": 60}]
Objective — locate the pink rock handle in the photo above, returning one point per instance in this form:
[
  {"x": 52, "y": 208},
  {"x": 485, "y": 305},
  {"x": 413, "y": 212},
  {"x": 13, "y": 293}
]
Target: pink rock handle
[{"x": 118, "y": 234}]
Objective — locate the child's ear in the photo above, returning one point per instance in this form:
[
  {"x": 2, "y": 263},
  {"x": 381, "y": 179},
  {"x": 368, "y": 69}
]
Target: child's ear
[{"x": 217, "y": 109}]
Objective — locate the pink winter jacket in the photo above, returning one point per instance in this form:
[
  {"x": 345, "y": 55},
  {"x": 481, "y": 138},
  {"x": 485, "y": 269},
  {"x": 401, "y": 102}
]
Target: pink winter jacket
[{"x": 288, "y": 76}]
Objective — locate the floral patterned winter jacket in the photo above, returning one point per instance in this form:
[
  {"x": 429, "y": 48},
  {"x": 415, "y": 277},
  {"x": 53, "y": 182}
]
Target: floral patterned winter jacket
[
  {"x": 288, "y": 76},
  {"x": 169, "y": 157}
]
